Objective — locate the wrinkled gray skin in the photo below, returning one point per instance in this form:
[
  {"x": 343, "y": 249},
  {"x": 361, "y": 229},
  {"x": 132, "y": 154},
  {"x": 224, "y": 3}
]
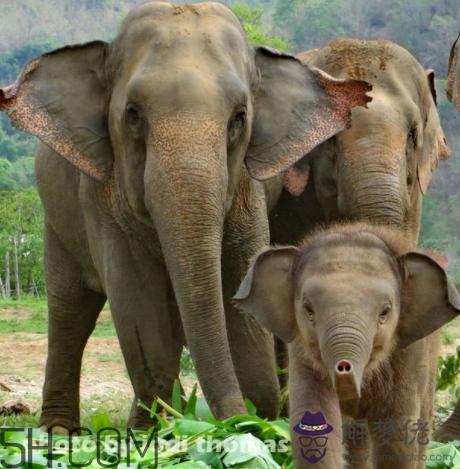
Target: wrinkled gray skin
[
  {"x": 453, "y": 76},
  {"x": 380, "y": 167},
  {"x": 359, "y": 311},
  {"x": 144, "y": 174},
  {"x": 450, "y": 429}
]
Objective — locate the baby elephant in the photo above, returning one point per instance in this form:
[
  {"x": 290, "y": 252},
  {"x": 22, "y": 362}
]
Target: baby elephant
[{"x": 359, "y": 311}]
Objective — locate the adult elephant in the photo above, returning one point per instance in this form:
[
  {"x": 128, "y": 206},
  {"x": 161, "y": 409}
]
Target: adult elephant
[
  {"x": 450, "y": 429},
  {"x": 143, "y": 172},
  {"x": 377, "y": 169}
]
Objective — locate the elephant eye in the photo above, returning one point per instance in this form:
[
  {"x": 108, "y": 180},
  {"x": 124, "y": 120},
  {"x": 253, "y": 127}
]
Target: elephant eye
[
  {"x": 385, "y": 313},
  {"x": 309, "y": 311},
  {"x": 413, "y": 137},
  {"x": 132, "y": 117},
  {"x": 236, "y": 125}
]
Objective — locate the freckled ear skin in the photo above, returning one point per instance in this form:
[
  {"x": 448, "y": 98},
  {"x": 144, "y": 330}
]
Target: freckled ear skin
[
  {"x": 431, "y": 298},
  {"x": 296, "y": 109},
  {"x": 60, "y": 98},
  {"x": 267, "y": 292}
]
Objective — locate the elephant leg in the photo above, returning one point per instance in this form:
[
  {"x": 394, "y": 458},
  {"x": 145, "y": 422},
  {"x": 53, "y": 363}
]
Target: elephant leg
[
  {"x": 149, "y": 332},
  {"x": 73, "y": 311},
  {"x": 253, "y": 356},
  {"x": 358, "y": 445},
  {"x": 252, "y": 348},
  {"x": 311, "y": 393}
]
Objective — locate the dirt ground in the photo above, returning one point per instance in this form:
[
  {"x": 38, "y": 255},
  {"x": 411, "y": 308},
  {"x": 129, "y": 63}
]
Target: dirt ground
[
  {"x": 104, "y": 386},
  {"x": 104, "y": 382}
]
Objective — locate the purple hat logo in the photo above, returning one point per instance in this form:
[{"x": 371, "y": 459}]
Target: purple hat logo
[{"x": 313, "y": 429}]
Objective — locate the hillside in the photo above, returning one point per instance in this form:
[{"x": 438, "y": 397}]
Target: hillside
[{"x": 427, "y": 28}]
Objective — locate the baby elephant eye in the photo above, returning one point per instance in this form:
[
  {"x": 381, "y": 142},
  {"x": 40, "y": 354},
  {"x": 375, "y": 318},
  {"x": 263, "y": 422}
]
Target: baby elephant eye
[{"x": 385, "y": 313}]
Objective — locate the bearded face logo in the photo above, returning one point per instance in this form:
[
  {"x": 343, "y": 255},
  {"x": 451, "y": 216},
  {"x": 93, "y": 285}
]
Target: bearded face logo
[{"x": 313, "y": 429}]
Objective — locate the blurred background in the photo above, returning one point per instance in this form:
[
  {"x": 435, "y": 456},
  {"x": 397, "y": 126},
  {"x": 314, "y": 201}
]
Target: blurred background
[{"x": 30, "y": 27}]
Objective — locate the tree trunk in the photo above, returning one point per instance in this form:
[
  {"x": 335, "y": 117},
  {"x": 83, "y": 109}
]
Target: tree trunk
[
  {"x": 2, "y": 289},
  {"x": 16, "y": 268},
  {"x": 7, "y": 276}
]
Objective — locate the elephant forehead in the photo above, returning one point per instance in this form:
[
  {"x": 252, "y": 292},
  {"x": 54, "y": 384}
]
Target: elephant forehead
[
  {"x": 167, "y": 30},
  {"x": 348, "y": 260}
]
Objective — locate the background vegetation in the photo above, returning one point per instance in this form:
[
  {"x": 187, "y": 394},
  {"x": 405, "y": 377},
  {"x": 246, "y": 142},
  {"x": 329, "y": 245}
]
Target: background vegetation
[{"x": 30, "y": 27}]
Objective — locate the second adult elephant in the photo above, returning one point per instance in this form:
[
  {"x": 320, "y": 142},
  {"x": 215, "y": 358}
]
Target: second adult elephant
[
  {"x": 377, "y": 169},
  {"x": 148, "y": 200},
  {"x": 450, "y": 429}
]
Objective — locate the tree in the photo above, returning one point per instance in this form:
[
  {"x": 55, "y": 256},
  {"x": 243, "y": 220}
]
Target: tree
[
  {"x": 309, "y": 23},
  {"x": 21, "y": 246},
  {"x": 251, "y": 19}
]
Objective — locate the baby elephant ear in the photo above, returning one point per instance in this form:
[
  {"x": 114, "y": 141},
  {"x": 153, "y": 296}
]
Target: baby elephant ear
[
  {"x": 430, "y": 298},
  {"x": 60, "y": 97},
  {"x": 267, "y": 292},
  {"x": 296, "y": 109}
]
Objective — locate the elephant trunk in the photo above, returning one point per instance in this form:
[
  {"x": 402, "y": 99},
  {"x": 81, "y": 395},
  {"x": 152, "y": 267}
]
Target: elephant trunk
[
  {"x": 185, "y": 193},
  {"x": 372, "y": 184},
  {"x": 345, "y": 350}
]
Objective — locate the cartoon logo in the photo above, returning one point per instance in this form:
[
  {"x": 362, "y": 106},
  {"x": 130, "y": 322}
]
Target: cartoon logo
[{"x": 313, "y": 429}]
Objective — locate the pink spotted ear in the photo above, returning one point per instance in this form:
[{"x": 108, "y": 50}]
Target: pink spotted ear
[
  {"x": 60, "y": 98},
  {"x": 296, "y": 109}
]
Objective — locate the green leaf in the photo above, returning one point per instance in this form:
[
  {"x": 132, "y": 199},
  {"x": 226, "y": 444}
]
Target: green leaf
[
  {"x": 100, "y": 421},
  {"x": 251, "y": 408},
  {"x": 190, "y": 407},
  {"x": 176, "y": 400},
  {"x": 190, "y": 465},
  {"x": 202, "y": 410},
  {"x": 244, "y": 448},
  {"x": 187, "y": 427}
]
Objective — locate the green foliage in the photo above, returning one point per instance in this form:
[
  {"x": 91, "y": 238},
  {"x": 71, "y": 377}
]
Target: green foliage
[
  {"x": 448, "y": 371},
  {"x": 21, "y": 213},
  {"x": 309, "y": 23},
  {"x": 444, "y": 456},
  {"x": 239, "y": 442},
  {"x": 251, "y": 18}
]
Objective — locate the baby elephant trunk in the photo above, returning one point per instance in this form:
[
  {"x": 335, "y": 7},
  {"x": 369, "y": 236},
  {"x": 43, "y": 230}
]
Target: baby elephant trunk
[
  {"x": 346, "y": 352},
  {"x": 347, "y": 380}
]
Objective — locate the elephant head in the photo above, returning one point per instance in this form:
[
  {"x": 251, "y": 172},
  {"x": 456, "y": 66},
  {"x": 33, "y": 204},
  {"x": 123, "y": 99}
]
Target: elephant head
[
  {"x": 349, "y": 295},
  {"x": 378, "y": 168},
  {"x": 453, "y": 77},
  {"x": 171, "y": 113}
]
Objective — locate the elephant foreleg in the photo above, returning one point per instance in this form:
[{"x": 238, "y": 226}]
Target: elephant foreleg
[
  {"x": 150, "y": 335},
  {"x": 252, "y": 347},
  {"x": 73, "y": 310}
]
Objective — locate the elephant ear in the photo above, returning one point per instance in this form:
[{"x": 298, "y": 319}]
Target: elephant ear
[
  {"x": 453, "y": 76},
  {"x": 60, "y": 98},
  {"x": 430, "y": 298},
  {"x": 296, "y": 109},
  {"x": 434, "y": 147},
  {"x": 267, "y": 293}
]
